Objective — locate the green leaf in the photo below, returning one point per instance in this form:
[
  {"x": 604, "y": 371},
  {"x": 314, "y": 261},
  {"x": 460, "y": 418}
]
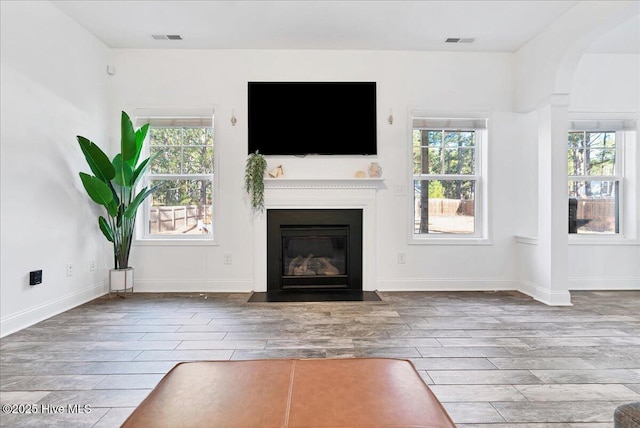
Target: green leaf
[
  {"x": 131, "y": 210},
  {"x": 124, "y": 172},
  {"x": 139, "y": 172},
  {"x": 119, "y": 216},
  {"x": 112, "y": 208},
  {"x": 105, "y": 228},
  {"x": 128, "y": 147},
  {"x": 142, "y": 168},
  {"x": 141, "y": 134},
  {"x": 97, "y": 189},
  {"x": 97, "y": 160}
]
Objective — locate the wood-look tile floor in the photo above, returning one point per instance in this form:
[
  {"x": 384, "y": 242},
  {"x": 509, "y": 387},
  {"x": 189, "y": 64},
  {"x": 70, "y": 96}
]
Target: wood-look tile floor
[{"x": 493, "y": 359}]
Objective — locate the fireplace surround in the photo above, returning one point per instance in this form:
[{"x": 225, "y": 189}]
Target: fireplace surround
[{"x": 320, "y": 193}]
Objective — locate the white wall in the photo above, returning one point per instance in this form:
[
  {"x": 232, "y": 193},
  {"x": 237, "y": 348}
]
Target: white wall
[
  {"x": 54, "y": 87},
  {"x": 529, "y": 267},
  {"x": 437, "y": 82},
  {"x": 606, "y": 83},
  {"x": 527, "y": 166}
]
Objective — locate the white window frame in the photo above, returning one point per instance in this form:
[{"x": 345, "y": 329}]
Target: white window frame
[
  {"x": 143, "y": 237},
  {"x": 625, "y": 130},
  {"x": 481, "y": 136}
]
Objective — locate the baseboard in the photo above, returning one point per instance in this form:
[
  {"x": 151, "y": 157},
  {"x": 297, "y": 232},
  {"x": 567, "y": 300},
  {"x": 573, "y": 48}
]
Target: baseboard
[
  {"x": 551, "y": 298},
  {"x": 195, "y": 286},
  {"x": 628, "y": 283},
  {"x": 28, "y": 317},
  {"x": 443, "y": 284}
]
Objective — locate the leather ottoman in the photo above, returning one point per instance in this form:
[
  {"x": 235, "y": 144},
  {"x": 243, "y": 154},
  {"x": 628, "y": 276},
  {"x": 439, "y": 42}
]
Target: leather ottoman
[{"x": 356, "y": 392}]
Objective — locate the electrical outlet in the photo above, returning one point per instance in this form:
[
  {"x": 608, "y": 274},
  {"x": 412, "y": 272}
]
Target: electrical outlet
[
  {"x": 402, "y": 257},
  {"x": 92, "y": 265},
  {"x": 69, "y": 269},
  {"x": 35, "y": 277},
  {"x": 228, "y": 259}
]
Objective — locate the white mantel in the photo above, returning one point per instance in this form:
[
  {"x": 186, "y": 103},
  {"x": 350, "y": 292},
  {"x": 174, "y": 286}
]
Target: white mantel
[
  {"x": 327, "y": 193},
  {"x": 323, "y": 183}
]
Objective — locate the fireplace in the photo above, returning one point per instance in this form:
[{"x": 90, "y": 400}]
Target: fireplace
[
  {"x": 332, "y": 196},
  {"x": 314, "y": 250}
]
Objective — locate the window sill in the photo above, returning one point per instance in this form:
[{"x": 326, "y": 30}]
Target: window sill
[
  {"x": 178, "y": 242},
  {"x": 449, "y": 241}
]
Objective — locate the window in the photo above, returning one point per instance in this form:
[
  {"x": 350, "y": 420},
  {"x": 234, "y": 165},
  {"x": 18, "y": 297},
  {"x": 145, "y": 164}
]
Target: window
[
  {"x": 446, "y": 177},
  {"x": 593, "y": 159},
  {"x": 183, "y": 168},
  {"x": 600, "y": 154}
]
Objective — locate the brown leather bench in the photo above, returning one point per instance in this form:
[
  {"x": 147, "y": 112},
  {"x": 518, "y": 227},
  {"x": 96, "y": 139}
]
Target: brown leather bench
[{"x": 356, "y": 392}]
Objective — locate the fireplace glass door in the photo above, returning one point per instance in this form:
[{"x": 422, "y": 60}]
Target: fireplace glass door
[{"x": 313, "y": 256}]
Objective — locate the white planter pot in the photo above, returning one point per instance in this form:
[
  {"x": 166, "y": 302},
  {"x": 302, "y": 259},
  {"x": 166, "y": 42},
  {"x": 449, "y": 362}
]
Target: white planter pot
[{"x": 121, "y": 281}]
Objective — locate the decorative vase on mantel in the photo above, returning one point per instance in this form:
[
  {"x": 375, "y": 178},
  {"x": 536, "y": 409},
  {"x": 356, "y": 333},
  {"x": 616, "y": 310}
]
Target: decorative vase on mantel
[
  {"x": 121, "y": 281},
  {"x": 375, "y": 170}
]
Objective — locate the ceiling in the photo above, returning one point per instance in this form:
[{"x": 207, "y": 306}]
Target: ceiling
[{"x": 496, "y": 26}]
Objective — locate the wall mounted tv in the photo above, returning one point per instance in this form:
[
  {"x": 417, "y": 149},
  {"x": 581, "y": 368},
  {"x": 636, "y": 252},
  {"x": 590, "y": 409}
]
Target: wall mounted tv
[{"x": 301, "y": 118}]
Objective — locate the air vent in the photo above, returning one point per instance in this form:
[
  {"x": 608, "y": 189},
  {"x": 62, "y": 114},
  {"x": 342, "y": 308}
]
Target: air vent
[
  {"x": 166, "y": 36},
  {"x": 459, "y": 40}
]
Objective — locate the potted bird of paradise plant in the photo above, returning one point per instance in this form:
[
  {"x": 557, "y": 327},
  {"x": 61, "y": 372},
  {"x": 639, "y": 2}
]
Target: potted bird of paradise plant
[{"x": 113, "y": 186}]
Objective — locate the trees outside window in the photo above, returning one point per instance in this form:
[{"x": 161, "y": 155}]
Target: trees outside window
[
  {"x": 184, "y": 169},
  {"x": 594, "y": 182},
  {"x": 446, "y": 173}
]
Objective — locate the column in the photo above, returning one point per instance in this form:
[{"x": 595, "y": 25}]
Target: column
[{"x": 552, "y": 250}]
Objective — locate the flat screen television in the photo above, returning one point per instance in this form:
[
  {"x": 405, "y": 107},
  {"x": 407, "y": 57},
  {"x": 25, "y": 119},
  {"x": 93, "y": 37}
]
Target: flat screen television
[{"x": 302, "y": 118}]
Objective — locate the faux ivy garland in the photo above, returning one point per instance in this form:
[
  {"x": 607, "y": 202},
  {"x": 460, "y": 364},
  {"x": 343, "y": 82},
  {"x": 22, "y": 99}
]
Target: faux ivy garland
[{"x": 254, "y": 180}]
